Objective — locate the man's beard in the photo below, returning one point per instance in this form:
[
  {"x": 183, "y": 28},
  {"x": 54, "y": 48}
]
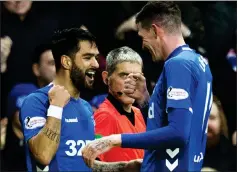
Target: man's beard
[{"x": 78, "y": 77}]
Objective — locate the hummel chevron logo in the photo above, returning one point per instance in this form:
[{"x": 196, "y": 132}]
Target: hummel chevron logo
[
  {"x": 171, "y": 153},
  {"x": 172, "y": 166}
]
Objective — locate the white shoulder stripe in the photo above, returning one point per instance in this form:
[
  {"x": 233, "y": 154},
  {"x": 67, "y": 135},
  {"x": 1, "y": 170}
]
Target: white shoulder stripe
[{"x": 187, "y": 48}]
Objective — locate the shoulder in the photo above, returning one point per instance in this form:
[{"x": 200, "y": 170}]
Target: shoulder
[
  {"x": 138, "y": 114},
  {"x": 87, "y": 105},
  {"x": 179, "y": 61},
  {"x": 183, "y": 64},
  {"x": 106, "y": 106},
  {"x": 22, "y": 89},
  {"x": 35, "y": 99},
  {"x": 38, "y": 97},
  {"x": 105, "y": 112},
  {"x": 136, "y": 110}
]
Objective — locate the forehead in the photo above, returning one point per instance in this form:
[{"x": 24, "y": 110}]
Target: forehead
[
  {"x": 46, "y": 56},
  {"x": 214, "y": 110},
  {"x": 88, "y": 47},
  {"x": 128, "y": 67},
  {"x": 141, "y": 30}
]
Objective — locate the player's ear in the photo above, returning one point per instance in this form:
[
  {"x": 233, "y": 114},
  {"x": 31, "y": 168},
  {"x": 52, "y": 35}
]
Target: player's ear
[
  {"x": 66, "y": 62},
  {"x": 157, "y": 31},
  {"x": 105, "y": 77},
  {"x": 35, "y": 69}
]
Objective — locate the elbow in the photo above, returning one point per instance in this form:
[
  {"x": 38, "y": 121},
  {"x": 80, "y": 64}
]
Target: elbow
[
  {"x": 42, "y": 154},
  {"x": 182, "y": 139},
  {"x": 43, "y": 158}
]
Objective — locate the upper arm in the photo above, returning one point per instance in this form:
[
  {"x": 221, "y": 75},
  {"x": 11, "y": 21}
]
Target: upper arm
[
  {"x": 105, "y": 123},
  {"x": 16, "y": 125},
  {"x": 32, "y": 116},
  {"x": 180, "y": 83}
]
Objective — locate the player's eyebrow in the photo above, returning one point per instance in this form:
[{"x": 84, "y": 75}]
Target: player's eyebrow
[
  {"x": 124, "y": 73},
  {"x": 90, "y": 54}
]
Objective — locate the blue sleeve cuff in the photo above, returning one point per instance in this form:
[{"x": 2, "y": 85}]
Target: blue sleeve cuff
[{"x": 125, "y": 139}]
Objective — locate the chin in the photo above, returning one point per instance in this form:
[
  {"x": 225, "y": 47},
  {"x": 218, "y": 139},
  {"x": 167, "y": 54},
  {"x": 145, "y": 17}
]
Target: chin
[
  {"x": 88, "y": 86},
  {"x": 127, "y": 100}
]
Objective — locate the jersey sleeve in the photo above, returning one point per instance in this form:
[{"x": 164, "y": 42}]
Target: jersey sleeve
[
  {"x": 179, "y": 84},
  {"x": 32, "y": 116}
]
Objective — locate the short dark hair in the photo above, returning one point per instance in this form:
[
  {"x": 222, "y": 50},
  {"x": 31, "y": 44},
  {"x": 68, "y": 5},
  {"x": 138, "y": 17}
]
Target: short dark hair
[
  {"x": 66, "y": 42},
  {"x": 165, "y": 14},
  {"x": 38, "y": 52}
]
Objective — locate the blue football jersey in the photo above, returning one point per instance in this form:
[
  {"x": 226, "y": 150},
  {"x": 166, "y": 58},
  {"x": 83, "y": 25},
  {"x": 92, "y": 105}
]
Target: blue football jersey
[
  {"x": 186, "y": 83},
  {"x": 77, "y": 129},
  {"x": 17, "y": 96}
]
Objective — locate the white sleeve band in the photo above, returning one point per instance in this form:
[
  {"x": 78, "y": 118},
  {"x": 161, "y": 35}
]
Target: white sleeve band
[{"x": 55, "y": 111}]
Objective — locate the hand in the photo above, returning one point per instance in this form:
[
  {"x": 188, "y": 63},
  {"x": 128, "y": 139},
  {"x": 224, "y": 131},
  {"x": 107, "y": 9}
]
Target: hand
[
  {"x": 133, "y": 165},
  {"x": 206, "y": 169},
  {"x": 3, "y": 126},
  {"x": 99, "y": 146},
  {"x": 135, "y": 87},
  {"x": 6, "y": 44},
  {"x": 58, "y": 96},
  {"x": 234, "y": 138},
  {"x": 128, "y": 25}
]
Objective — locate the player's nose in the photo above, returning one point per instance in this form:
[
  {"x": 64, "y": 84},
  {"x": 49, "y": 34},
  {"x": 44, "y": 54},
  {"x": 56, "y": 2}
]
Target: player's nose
[{"x": 94, "y": 63}]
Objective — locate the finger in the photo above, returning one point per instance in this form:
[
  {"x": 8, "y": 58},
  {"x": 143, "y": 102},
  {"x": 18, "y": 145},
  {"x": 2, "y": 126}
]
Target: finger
[
  {"x": 130, "y": 81},
  {"x": 91, "y": 162},
  {"x": 136, "y": 76},
  {"x": 129, "y": 86},
  {"x": 85, "y": 155},
  {"x": 129, "y": 91},
  {"x": 90, "y": 157}
]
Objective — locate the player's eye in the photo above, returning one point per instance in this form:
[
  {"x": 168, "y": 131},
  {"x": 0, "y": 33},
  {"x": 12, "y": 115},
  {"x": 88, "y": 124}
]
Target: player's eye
[
  {"x": 123, "y": 75},
  {"x": 87, "y": 58}
]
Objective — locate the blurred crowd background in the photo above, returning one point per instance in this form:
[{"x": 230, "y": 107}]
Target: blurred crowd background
[{"x": 209, "y": 27}]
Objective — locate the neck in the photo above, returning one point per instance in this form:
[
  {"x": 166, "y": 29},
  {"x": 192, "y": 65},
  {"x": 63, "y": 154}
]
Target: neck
[
  {"x": 213, "y": 142},
  {"x": 63, "y": 79},
  {"x": 171, "y": 42},
  {"x": 40, "y": 83},
  {"x": 127, "y": 108},
  {"x": 22, "y": 17},
  {"x": 118, "y": 104}
]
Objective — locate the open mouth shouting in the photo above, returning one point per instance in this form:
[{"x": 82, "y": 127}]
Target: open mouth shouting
[{"x": 90, "y": 76}]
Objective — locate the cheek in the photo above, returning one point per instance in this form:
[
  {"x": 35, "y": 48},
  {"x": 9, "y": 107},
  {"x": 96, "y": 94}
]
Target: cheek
[
  {"x": 52, "y": 69},
  {"x": 117, "y": 84},
  {"x": 214, "y": 125}
]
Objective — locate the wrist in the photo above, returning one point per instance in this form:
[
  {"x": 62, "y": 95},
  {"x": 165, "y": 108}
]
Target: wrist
[
  {"x": 145, "y": 101},
  {"x": 55, "y": 111},
  {"x": 116, "y": 140},
  {"x": 52, "y": 103}
]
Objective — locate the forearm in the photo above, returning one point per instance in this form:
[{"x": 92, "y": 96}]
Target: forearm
[
  {"x": 144, "y": 111},
  {"x": 174, "y": 135},
  {"x": 154, "y": 139},
  {"x": 106, "y": 166},
  {"x": 45, "y": 144},
  {"x": 144, "y": 100},
  {"x": 16, "y": 125}
]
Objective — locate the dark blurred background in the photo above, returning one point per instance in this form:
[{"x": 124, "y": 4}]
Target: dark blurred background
[{"x": 212, "y": 28}]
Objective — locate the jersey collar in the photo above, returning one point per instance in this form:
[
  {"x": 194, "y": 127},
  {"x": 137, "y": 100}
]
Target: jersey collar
[{"x": 178, "y": 50}]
